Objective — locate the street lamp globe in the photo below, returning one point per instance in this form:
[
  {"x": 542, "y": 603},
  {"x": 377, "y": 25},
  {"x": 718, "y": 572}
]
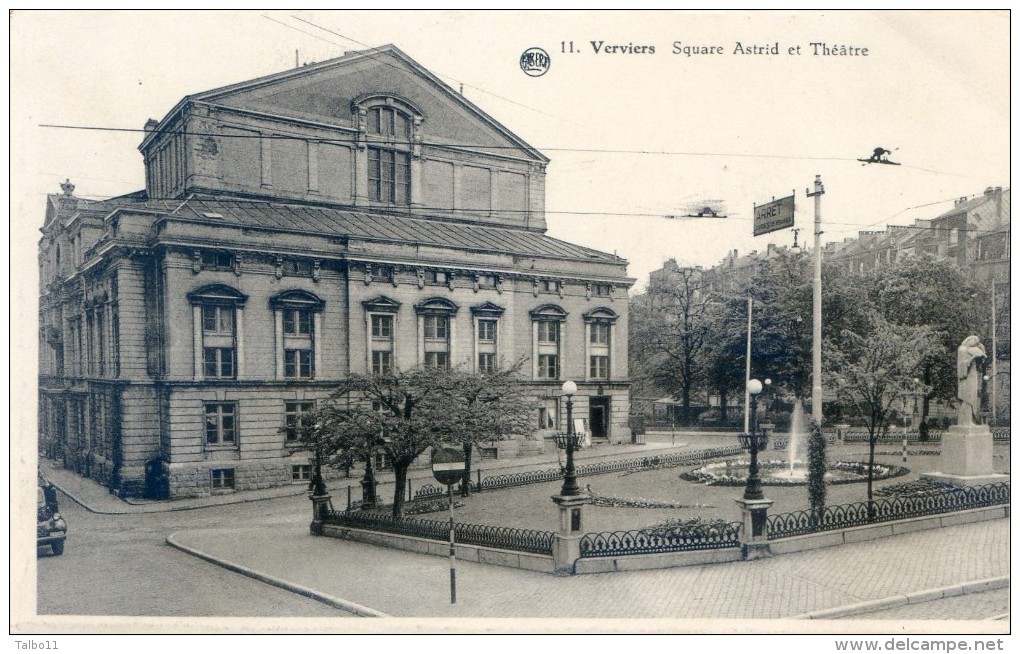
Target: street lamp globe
[
  {"x": 754, "y": 386},
  {"x": 569, "y": 388}
]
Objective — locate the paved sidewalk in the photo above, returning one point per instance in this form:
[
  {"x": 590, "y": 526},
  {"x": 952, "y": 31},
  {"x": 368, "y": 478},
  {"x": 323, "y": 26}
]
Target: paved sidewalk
[
  {"x": 98, "y": 499},
  {"x": 404, "y": 584}
]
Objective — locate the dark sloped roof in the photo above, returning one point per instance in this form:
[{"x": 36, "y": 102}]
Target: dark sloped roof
[{"x": 371, "y": 226}]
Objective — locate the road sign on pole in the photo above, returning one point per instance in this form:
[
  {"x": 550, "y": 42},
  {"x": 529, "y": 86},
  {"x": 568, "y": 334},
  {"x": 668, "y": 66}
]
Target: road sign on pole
[
  {"x": 449, "y": 467},
  {"x": 773, "y": 216}
]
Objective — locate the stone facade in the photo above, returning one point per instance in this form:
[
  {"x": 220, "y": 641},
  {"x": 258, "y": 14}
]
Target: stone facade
[{"x": 336, "y": 218}]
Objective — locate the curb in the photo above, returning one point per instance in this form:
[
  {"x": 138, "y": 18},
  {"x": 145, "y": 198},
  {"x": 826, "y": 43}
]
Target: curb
[
  {"x": 329, "y": 600},
  {"x": 142, "y": 508},
  {"x": 917, "y": 597}
]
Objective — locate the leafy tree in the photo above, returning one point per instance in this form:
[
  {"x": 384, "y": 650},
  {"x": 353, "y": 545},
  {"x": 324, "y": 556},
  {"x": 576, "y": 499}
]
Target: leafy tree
[
  {"x": 870, "y": 372},
  {"x": 407, "y": 412},
  {"x": 494, "y": 406},
  {"x": 933, "y": 291},
  {"x": 670, "y": 332}
]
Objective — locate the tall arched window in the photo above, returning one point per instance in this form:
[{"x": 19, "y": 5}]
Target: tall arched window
[{"x": 390, "y": 128}]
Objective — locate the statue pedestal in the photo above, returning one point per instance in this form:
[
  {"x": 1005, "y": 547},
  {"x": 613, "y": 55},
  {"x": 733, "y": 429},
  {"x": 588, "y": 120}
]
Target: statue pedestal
[{"x": 966, "y": 458}]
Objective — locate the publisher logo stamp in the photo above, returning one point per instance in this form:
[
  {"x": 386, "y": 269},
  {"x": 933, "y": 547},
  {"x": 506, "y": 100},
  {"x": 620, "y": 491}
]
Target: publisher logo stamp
[{"x": 535, "y": 62}]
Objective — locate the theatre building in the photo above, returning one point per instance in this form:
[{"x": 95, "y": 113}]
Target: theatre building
[{"x": 355, "y": 215}]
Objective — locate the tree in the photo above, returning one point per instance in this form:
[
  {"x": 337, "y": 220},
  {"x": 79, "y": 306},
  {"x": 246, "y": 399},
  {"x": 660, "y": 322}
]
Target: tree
[
  {"x": 668, "y": 332},
  {"x": 406, "y": 413},
  {"x": 935, "y": 292},
  {"x": 493, "y": 405},
  {"x": 870, "y": 372}
]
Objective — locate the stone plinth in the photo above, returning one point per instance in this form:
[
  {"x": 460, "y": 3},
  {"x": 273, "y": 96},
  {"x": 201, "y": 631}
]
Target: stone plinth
[
  {"x": 754, "y": 539},
  {"x": 966, "y": 458},
  {"x": 320, "y": 506},
  {"x": 567, "y": 541}
]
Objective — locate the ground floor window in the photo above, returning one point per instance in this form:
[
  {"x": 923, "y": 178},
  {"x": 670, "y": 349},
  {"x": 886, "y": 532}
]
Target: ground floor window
[
  {"x": 220, "y": 426},
  {"x": 301, "y": 472},
  {"x": 222, "y": 478}
]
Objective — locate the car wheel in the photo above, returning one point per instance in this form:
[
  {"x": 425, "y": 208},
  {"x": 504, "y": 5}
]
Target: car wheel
[{"x": 58, "y": 548}]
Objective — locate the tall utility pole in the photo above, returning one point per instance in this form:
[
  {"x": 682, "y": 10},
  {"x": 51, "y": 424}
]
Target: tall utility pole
[
  {"x": 816, "y": 349},
  {"x": 747, "y": 370}
]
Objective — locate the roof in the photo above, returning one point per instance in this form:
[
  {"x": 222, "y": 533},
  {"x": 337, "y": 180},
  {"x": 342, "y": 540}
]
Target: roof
[
  {"x": 366, "y": 225},
  {"x": 214, "y": 96}
]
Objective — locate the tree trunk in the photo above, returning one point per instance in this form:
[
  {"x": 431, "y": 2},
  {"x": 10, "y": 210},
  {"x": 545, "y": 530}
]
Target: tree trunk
[
  {"x": 722, "y": 406},
  {"x": 399, "y": 481},
  {"x": 465, "y": 484},
  {"x": 687, "y": 405}
]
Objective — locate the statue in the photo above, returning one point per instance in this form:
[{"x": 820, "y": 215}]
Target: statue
[{"x": 970, "y": 358}]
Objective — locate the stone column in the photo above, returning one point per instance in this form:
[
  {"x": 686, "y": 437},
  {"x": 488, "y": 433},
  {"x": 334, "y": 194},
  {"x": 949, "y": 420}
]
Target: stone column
[
  {"x": 567, "y": 541},
  {"x": 754, "y": 538}
]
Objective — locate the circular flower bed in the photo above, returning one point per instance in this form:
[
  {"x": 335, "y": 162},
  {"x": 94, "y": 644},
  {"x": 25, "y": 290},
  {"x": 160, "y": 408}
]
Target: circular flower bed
[{"x": 778, "y": 473}]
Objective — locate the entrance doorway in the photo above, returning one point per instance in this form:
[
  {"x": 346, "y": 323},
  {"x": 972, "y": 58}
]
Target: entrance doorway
[{"x": 598, "y": 416}]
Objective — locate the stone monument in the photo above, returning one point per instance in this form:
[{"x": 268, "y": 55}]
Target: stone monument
[{"x": 966, "y": 458}]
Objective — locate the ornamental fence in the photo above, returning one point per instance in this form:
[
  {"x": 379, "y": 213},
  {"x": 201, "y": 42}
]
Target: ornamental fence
[
  {"x": 914, "y": 436},
  {"x": 655, "y": 540},
  {"x": 505, "y": 538},
  {"x": 525, "y": 477},
  {"x": 798, "y": 523}
]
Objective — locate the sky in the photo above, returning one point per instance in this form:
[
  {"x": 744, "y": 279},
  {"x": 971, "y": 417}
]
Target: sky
[{"x": 632, "y": 136}]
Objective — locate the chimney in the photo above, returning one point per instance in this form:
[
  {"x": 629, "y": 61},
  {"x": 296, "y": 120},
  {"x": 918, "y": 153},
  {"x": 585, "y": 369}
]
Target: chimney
[
  {"x": 67, "y": 187},
  {"x": 989, "y": 191},
  {"x": 151, "y": 125}
]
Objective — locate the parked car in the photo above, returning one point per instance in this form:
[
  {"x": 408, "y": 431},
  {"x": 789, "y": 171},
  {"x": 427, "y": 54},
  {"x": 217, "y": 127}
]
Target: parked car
[{"x": 52, "y": 530}]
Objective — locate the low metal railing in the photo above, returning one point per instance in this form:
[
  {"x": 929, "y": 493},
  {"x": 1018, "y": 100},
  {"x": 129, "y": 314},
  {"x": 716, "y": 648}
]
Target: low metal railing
[
  {"x": 798, "y": 523},
  {"x": 656, "y": 540},
  {"x": 507, "y": 538}
]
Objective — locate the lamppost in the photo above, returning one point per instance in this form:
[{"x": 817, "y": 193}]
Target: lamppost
[
  {"x": 755, "y": 441},
  {"x": 569, "y": 442},
  {"x": 317, "y": 487}
]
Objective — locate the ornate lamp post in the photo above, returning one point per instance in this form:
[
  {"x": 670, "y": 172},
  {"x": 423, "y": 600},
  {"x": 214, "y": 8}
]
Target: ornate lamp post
[
  {"x": 317, "y": 492},
  {"x": 568, "y": 442},
  {"x": 754, "y": 442}
]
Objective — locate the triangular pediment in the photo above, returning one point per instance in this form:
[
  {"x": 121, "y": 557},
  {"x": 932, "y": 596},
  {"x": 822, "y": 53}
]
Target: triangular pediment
[{"x": 325, "y": 93}]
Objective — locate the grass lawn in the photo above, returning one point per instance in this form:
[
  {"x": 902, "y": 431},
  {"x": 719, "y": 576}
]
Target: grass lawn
[{"x": 531, "y": 507}]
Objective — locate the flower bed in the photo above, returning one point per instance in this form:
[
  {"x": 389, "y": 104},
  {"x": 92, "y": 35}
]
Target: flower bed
[{"x": 721, "y": 473}]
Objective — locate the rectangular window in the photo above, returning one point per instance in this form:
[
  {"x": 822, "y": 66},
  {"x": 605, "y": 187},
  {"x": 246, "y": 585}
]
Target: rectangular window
[
  {"x": 217, "y": 260},
  {"x": 301, "y": 472},
  {"x": 297, "y": 364},
  {"x": 222, "y": 478},
  {"x": 297, "y": 322},
  {"x": 382, "y": 363},
  {"x": 486, "y": 362},
  {"x": 599, "y": 333},
  {"x": 298, "y": 418},
  {"x": 217, "y": 319},
  {"x": 487, "y": 281},
  {"x": 437, "y": 327},
  {"x": 382, "y": 327},
  {"x": 548, "y": 366},
  {"x": 389, "y": 178},
  {"x": 438, "y": 277},
  {"x": 382, "y": 273},
  {"x": 548, "y": 332},
  {"x": 220, "y": 425},
  {"x": 439, "y": 360},
  {"x": 297, "y": 268},
  {"x": 219, "y": 362},
  {"x": 599, "y": 367},
  {"x": 487, "y": 331},
  {"x": 602, "y": 290},
  {"x": 547, "y": 286}
]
